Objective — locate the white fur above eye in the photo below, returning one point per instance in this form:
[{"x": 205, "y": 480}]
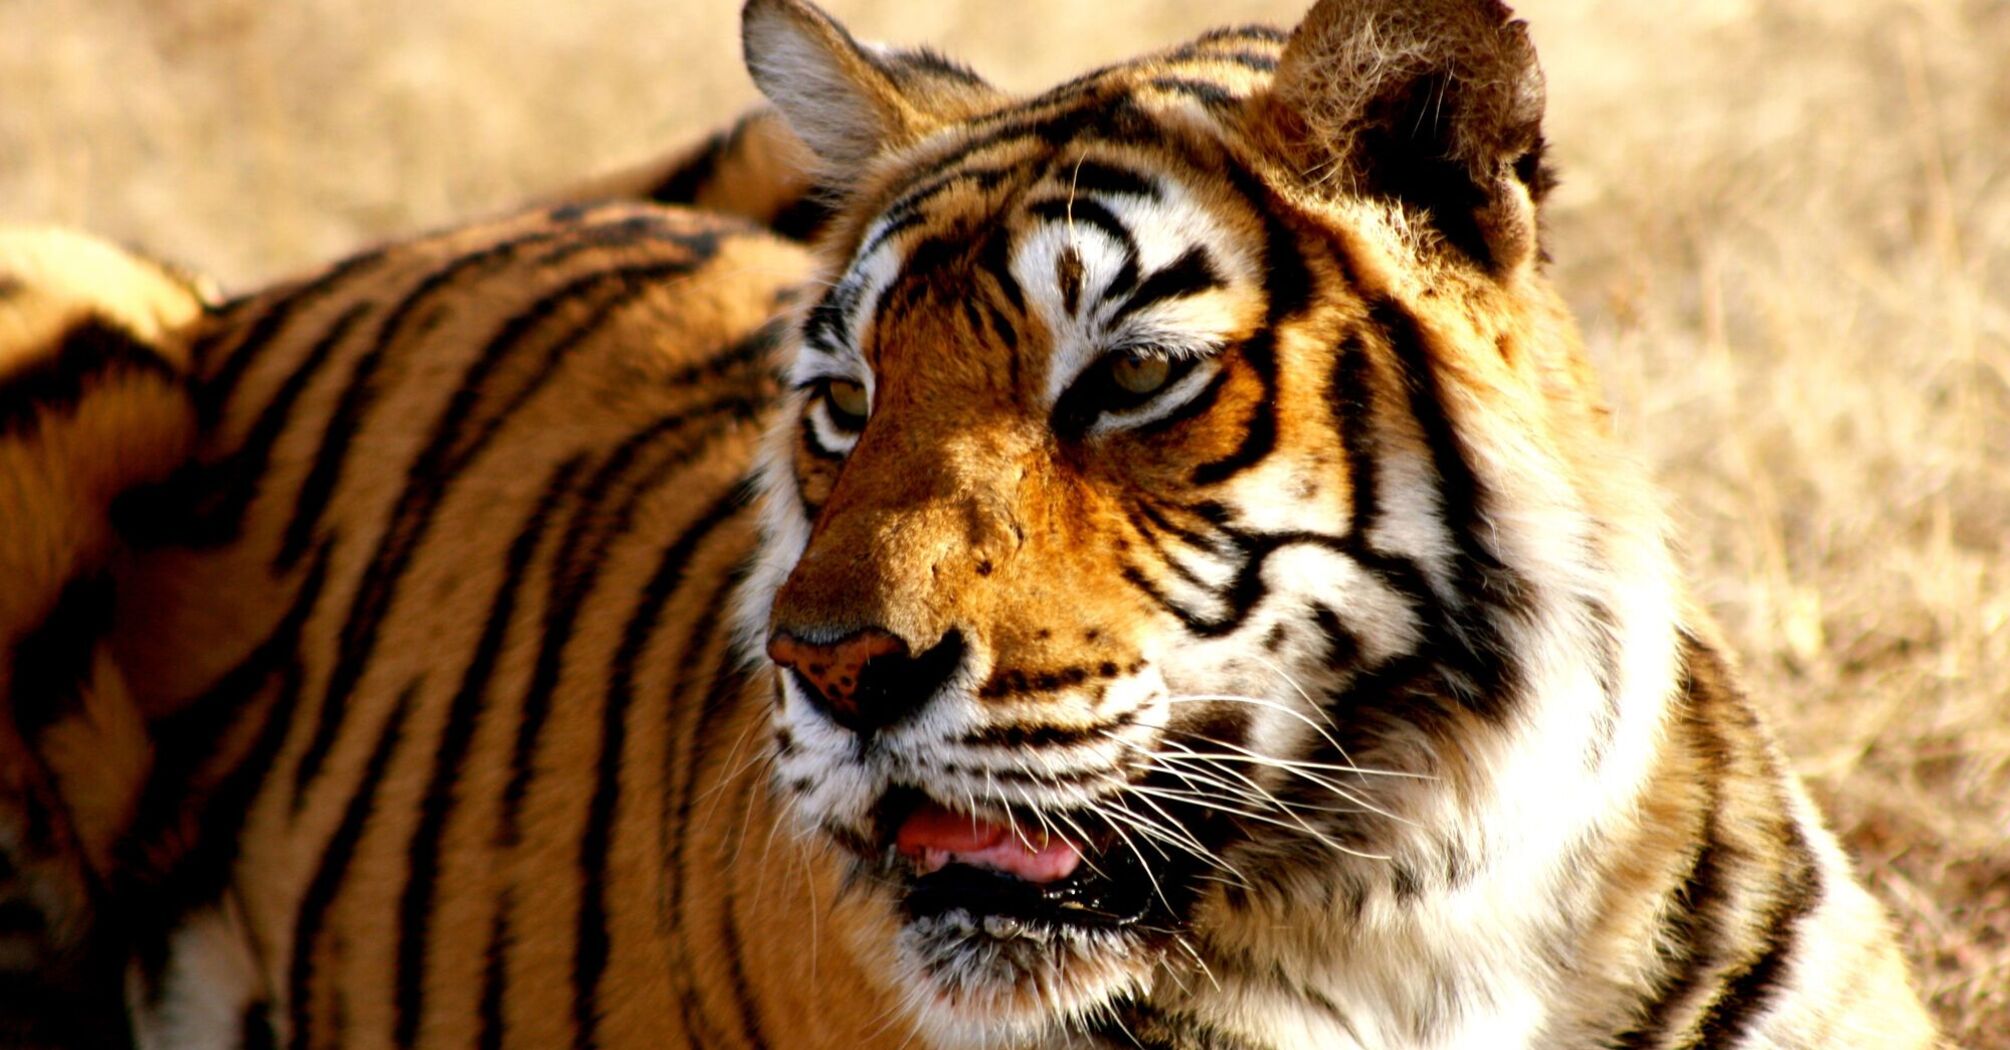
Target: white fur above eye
[{"x": 1163, "y": 229}]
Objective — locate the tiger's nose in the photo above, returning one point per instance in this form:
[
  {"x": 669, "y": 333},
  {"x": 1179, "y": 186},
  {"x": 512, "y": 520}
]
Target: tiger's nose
[{"x": 869, "y": 680}]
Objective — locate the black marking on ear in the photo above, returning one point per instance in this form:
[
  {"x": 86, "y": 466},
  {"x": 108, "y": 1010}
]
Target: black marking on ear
[
  {"x": 1252, "y": 31},
  {"x": 926, "y": 60},
  {"x": 803, "y": 218}
]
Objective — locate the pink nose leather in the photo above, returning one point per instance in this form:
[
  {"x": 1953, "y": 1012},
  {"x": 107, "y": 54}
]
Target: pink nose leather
[{"x": 835, "y": 670}]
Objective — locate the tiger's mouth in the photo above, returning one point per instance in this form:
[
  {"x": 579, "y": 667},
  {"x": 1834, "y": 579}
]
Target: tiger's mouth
[{"x": 1020, "y": 876}]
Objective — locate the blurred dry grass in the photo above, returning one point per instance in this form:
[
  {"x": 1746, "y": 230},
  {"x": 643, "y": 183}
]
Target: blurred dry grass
[{"x": 1785, "y": 223}]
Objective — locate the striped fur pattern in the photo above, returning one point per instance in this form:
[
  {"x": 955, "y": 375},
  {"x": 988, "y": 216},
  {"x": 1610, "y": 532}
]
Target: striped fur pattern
[
  {"x": 434, "y": 639},
  {"x": 755, "y": 168},
  {"x": 1203, "y": 432},
  {"x": 89, "y": 406}
]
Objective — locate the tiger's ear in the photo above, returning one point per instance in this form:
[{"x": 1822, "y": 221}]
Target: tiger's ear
[
  {"x": 848, "y": 101},
  {"x": 1433, "y": 103}
]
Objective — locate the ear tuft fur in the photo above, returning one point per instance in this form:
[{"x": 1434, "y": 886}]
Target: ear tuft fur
[
  {"x": 1435, "y": 103},
  {"x": 849, "y": 101}
]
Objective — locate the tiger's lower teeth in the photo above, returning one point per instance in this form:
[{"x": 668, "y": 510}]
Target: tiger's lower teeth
[{"x": 1003, "y": 927}]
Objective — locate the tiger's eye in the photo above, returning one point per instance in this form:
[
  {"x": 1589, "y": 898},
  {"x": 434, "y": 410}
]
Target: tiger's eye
[
  {"x": 848, "y": 400},
  {"x": 1138, "y": 374}
]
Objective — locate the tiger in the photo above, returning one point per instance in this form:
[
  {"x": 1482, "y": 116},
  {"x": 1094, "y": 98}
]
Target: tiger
[{"x": 1157, "y": 572}]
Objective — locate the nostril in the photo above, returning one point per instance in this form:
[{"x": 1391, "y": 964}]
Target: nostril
[{"x": 868, "y": 680}]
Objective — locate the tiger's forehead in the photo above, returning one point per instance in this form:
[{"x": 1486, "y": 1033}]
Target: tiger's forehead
[{"x": 1053, "y": 255}]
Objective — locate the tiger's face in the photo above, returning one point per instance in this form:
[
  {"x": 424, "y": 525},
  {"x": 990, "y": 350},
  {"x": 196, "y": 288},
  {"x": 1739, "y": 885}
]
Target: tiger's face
[{"x": 1113, "y": 567}]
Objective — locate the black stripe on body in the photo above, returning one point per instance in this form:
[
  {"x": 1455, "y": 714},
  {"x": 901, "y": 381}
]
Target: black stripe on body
[
  {"x": 592, "y": 938},
  {"x": 52, "y": 662},
  {"x": 736, "y": 970},
  {"x": 726, "y": 689},
  {"x": 495, "y": 975},
  {"x": 1749, "y": 993},
  {"x": 203, "y": 505},
  {"x": 330, "y": 872},
  {"x": 92, "y": 353},
  {"x": 244, "y": 342},
  {"x": 359, "y": 395},
  {"x": 1692, "y": 934},
  {"x": 1206, "y": 92},
  {"x": 460, "y": 434},
  {"x": 436, "y": 806},
  {"x": 1748, "y": 989},
  {"x": 621, "y": 482},
  {"x": 183, "y": 841},
  {"x": 682, "y": 184}
]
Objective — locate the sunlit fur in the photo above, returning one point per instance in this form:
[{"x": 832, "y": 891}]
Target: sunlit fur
[{"x": 443, "y": 589}]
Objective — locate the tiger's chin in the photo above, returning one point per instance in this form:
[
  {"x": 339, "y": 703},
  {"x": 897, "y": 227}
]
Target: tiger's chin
[
  {"x": 981, "y": 980},
  {"x": 1012, "y": 938}
]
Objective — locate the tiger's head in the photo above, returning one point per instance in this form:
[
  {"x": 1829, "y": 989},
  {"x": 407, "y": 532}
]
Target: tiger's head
[{"x": 1189, "y": 521}]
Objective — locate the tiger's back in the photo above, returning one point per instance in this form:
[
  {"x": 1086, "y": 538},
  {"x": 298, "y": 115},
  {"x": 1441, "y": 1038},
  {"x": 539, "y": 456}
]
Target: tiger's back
[{"x": 429, "y": 633}]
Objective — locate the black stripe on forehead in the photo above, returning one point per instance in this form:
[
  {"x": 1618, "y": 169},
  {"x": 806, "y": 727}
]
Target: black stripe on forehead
[
  {"x": 1086, "y": 211},
  {"x": 1192, "y": 273},
  {"x": 908, "y": 210},
  {"x": 1099, "y": 177}
]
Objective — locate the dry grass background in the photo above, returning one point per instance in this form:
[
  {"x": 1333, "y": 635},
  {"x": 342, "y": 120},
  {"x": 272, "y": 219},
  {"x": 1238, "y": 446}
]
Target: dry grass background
[{"x": 1785, "y": 223}]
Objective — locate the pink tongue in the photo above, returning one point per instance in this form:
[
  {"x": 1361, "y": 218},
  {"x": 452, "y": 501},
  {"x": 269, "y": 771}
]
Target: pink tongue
[{"x": 936, "y": 837}]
